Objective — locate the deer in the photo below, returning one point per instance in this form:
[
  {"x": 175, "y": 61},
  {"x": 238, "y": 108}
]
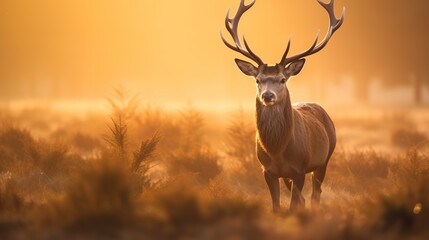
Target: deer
[{"x": 292, "y": 140}]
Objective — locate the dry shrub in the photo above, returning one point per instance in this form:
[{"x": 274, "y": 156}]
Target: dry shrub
[
  {"x": 246, "y": 173},
  {"x": 10, "y": 198},
  {"x": 51, "y": 159},
  {"x": 140, "y": 161},
  {"x": 37, "y": 166},
  {"x": 358, "y": 171},
  {"x": 389, "y": 201},
  {"x": 404, "y": 130},
  {"x": 101, "y": 196},
  {"x": 85, "y": 143},
  {"x": 151, "y": 120},
  {"x": 184, "y": 212},
  {"x": 203, "y": 163},
  {"x": 218, "y": 188},
  {"x": 402, "y": 207},
  {"x": 13, "y": 208},
  {"x": 101, "y": 200},
  {"x": 193, "y": 155},
  {"x": 240, "y": 143},
  {"x": 408, "y": 137},
  {"x": 118, "y": 137},
  {"x": 14, "y": 146}
]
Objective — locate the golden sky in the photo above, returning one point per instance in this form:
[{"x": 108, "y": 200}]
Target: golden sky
[{"x": 171, "y": 50}]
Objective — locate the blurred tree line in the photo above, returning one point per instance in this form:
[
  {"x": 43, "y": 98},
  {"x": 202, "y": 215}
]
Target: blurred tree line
[
  {"x": 380, "y": 39},
  {"x": 388, "y": 40}
]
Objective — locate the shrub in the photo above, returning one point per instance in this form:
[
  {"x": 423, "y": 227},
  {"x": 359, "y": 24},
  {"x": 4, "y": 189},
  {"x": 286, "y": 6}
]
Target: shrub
[
  {"x": 141, "y": 160},
  {"x": 201, "y": 162},
  {"x": 194, "y": 216},
  {"x": 193, "y": 154},
  {"x": 85, "y": 144},
  {"x": 14, "y": 145},
  {"x": 100, "y": 196},
  {"x": 37, "y": 166},
  {"x": 358, "y": 171},
  {"x": 408, "y": 137},
  {"x": 152, "y": 120},
  {"x": 240, "y": 141},
  {"x": 10, "y": 199},
  {"x": 402, "y": 206},
  {"x": 240, "y": 148}
]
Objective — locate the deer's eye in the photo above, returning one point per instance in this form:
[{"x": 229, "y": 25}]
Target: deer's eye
[
  {"x": 257, "y": 81},
  {"x": 283, "y": 81}
]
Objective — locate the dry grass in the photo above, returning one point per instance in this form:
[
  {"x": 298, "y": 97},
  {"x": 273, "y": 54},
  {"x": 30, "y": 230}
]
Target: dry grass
[{"x": 157, "y": 175}]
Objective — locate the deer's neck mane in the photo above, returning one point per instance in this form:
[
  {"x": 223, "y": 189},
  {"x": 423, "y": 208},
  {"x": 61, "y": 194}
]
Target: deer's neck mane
[{"x": 275, "y": 125}]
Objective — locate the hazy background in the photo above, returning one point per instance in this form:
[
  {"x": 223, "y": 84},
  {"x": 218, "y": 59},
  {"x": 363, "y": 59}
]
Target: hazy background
[
  {"x": 81, "y": 157},
  {"x": 171, "y": 52}
]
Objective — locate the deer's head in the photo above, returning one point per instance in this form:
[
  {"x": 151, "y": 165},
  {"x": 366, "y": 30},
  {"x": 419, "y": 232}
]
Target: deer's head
[{"x": 271, "y": 80}]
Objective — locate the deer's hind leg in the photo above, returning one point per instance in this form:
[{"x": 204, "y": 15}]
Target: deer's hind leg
[
  {"x": 295, "y": 186},
  {"x": 317, "y": 179}
]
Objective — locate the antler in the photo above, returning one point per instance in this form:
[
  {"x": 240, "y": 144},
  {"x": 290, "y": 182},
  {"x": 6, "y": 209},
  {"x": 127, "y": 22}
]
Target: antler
[
  {"x": 231, "y": 25},
  {"x": 334, "y": 25}
]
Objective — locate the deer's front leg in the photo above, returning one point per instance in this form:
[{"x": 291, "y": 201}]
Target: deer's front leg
[{"x": 274, "y": 187}]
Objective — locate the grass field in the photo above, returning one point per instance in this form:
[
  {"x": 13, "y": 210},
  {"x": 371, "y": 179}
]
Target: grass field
[{"x": 142, "y": 172}]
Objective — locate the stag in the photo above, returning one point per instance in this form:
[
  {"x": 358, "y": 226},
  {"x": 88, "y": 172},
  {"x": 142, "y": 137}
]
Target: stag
[{"x": 292, "y": 139}]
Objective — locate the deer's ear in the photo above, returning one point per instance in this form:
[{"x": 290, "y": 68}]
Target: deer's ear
[
  {"x": 294, "y": 68},
  {"x": 246, "y": 67}
]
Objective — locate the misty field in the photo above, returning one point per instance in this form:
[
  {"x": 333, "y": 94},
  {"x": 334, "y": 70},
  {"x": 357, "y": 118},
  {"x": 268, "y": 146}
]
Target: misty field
[{"x": 141, "y": 172}]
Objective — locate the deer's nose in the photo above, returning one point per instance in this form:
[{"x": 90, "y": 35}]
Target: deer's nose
[{"x": 268, "y": 96}]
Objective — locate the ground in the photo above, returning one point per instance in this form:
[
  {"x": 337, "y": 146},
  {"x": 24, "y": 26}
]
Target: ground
[{"x": 144, "y": 172}]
